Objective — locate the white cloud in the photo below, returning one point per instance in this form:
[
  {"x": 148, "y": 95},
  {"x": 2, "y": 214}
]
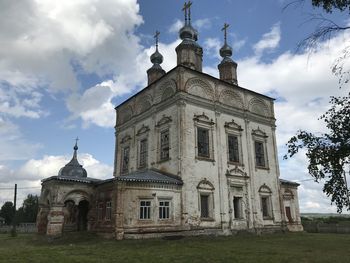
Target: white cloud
[
  {"x": 269, "y": 41},
  {"x": 176, "y": 26},
  {"x": 47, "y": 44},
  {"x": 200, "y": 24},
  {"x": 212, "y": 47}
]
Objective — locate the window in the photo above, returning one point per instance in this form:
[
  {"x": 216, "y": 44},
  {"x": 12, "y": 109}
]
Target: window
[
  {"x": 289, "y": 214},
  {"x": 143, "y": 153},
  {"x": 265, "y": 206},
  {"x": 259, "y": 154},
  {"x": 203, "y": 142},
  {"x": 204, "y": 206},
  {"x": 164, "y": 145},
  {"x": 125, "y": 159},
  {"x": 100, "y": 211},
  {"x": 233, "y": 151},
  {"x": 237, "y": 207},
  {"x": 108, "y": 210},
  {"x": 145, "y": 209},
  {"x": 164, "y": 209}
]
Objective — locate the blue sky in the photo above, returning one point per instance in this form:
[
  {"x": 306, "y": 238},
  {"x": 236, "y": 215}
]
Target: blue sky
[{"x": 64, "y": 65}]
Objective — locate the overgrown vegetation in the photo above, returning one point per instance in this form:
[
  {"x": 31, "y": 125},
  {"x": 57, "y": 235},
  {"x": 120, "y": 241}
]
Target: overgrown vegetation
[{"x": 86, "y": 247}]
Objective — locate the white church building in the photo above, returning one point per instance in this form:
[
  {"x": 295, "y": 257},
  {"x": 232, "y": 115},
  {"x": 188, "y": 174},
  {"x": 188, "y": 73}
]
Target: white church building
[{"x": 194, "y": 155}]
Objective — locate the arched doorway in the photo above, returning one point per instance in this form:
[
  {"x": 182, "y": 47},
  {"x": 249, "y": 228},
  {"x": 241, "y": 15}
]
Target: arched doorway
[{"x": 83, "y": 209}]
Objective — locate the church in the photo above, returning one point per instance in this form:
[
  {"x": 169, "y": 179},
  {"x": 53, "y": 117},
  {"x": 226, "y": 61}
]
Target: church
[{"x": 194, "y": 155}]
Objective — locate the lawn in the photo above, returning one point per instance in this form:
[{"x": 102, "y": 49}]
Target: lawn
[{"x": 86, "y": 247}]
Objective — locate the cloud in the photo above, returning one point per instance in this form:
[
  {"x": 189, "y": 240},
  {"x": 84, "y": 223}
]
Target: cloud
[
  {"x": 201, "y": 24},
  {"x": 269, "y": 41},
  {"x": 28, "y": 177},
  {"x": 176, "y": 26},
  {"x": 212, "y": 47},
  {"x": 47, "y": 45}
]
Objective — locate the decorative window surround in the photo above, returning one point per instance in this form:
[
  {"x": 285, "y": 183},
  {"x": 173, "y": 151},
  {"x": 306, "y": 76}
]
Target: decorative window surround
[
  {"x": 163, "y": 135},
  {"x": 125, "y": 146},
  {"x": 142, "y": 147},
  {"x": 233, "y": 130},
  {"x": 266, "y": 202},
  {"x": 260, "y": 149},
  {"x": 206, "y": 200},
  {"x": 203, "y": 123}
]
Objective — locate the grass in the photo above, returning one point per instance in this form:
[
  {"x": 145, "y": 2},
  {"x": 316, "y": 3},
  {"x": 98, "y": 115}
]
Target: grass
[{"x": 86, "y": 247}]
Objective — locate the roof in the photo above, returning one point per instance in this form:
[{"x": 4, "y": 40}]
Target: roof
[
  {"x": 86, "y": 180},
  {"x": 150, "y": 176},
  {"x": 283, "y": 181},
  {"x": 199, "y": 72}
]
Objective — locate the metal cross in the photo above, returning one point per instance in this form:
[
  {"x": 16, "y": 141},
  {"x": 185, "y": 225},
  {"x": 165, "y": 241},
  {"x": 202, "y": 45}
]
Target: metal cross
[
  {"x": 187, "y": 6},
  {"x": 225, "y": 30},
  {"x": 76, "y": 140},
  {"x": 156, "y": 36}
]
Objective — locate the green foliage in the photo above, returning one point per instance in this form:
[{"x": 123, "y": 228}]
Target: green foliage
[
  {"x": 328, "y": 154},
  {"x": 329, "y": 5},
  {"x": 7, "y": 212},
  {"x": 29, "y": 210}
]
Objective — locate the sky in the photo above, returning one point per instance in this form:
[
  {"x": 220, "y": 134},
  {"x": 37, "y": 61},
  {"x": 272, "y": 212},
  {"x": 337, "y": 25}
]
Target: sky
[{"x": 65, "y": 65}]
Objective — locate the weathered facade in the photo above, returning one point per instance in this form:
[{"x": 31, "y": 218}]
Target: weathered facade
[{"x": 193, "y": 155}]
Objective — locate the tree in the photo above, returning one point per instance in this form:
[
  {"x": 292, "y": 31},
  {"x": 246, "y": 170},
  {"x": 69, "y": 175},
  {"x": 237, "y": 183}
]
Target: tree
[
  {"x": 328, "y": 154},
  {"x": 7, "y": 212},
  {"x": 29, "y": 210}
]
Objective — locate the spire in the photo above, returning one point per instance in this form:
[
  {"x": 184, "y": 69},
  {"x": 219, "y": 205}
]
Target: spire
[
  {"x": 189, "y": 53},
  {"x": 227, "y": 67},
  {"x": 73, "y": 168},
  {"x": 156, "y": 71}
]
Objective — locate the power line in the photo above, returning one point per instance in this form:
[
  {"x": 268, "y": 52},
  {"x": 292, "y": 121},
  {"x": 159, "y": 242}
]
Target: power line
[{"x": 20, "y": 188}]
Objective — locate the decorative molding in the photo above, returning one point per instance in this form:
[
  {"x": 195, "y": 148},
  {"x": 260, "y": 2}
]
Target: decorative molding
[
  {"x": 288, "y": 195},
  {"x": 259, "y": 133},
  {"x": 164, "y": 120},
  {"x": 142, "y": 130},
  {"x": 232, "y": 98},
  {"x": 233, "y": 126},
  {"x": 126, "y": 114},
  {"x": 236, "y": 172},
  {"x": 205, "y": 185},
  {"x": 202, "y": 118},
  {"x": 259, "y": 107},
  {"x": 205, "y": 87},
  {"x": 165, "y": 90},
  {"x": 264, "y": 189},
  {"x": 125, "y": 139}
]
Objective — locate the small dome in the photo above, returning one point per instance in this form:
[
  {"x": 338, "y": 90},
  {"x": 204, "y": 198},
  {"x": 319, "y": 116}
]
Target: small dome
[
  {"x": 156, "y": 57},
  {"x": 188, "y": 31},
  {"x": 226, "y": 51},
  {"x": 73, "y": 168}
]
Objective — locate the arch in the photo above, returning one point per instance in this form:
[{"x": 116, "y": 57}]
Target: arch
[
  {"x": 264, "y": 189},
  {"x": 205, "y": 185},
  {"x": 76, "y": 196},
  {"x": 259, "y": 107},
  {"x": 200, "y": 88},
  {"x": 165, "y": 90},
  {"x": 232, "y": 98}
]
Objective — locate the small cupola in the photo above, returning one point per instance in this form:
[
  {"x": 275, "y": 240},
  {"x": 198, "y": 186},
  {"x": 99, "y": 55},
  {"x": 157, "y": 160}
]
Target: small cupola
[
  {"x": 156, "y": 71},
  {"x": 73, "y": 168},
  {"x": 227, "y": 67},
  {"x": 189, "y": 52}
]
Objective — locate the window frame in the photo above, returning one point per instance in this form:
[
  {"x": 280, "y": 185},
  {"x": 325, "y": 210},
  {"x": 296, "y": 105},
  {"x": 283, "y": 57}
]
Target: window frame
[
  {"x": 266, "y": 194},
  {"x": 260, "y": 136},
  {"x": 125, "y": 142},
  {"x": 100, "y": 209},
  {"x": 108, "y": 215},
  {"x": 162, "y": 126},
  {"x": 234, "y": 130},
  {"x": 124, "y": 170},
  {"x": 203, "y": 122},
  {"x": 142, "y": 135},
  {"x": 167, "y": 209},
  {"x": 142, "y": 209},
  {"x": 206, "y": 188},
  {"x": 162, "y": 147}
]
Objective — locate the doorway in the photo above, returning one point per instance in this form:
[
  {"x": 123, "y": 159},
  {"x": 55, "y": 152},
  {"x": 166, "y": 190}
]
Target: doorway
[{"x": 83, "y": 209}]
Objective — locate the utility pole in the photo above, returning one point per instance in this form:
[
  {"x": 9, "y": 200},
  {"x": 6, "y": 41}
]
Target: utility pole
[{"x": 13, "y": 231}]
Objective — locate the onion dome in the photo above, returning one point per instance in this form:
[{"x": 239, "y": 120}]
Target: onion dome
[
  {"x": 226, "y": 50},
  {"x": 156, "y": 57},
  {"x": 156, "y": 71},
  {"x": 73, "y": 168}
]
